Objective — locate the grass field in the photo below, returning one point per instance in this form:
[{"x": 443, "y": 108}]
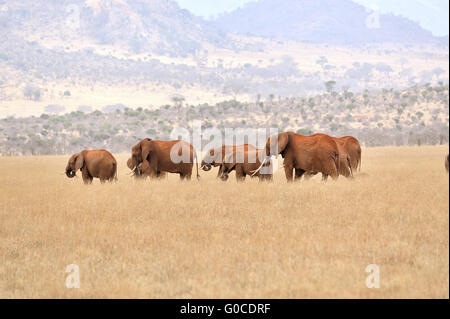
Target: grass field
[{"x": 206, "y": 239}]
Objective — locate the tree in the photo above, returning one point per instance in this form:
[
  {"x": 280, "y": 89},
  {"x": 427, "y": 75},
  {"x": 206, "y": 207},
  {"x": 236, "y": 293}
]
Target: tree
[
  {"x": 329, "y": 86},
  {"x": 235, "y": 87},
  {"x": 322, "y": 61},
  {"x": 32, "y": 93},
  {"x": 178, "y": 100}
]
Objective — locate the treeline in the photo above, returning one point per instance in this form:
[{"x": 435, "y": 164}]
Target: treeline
[{"x": 414, "y": 116}]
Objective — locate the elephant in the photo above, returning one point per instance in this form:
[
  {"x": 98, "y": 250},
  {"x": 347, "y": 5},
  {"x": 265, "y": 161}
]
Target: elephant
[
  {"x": 345, "y": 167},
  {"x": 139, "y": 174},
  {"x": 353, "y": 148},
  {"x": 245, "y": 162},
  {"x": 446, "y": 163},
  {"x": 312, "y": 154},
  {"x": 153, "y": 157},
  {"x": 215, "y": 157},
  {"x": 93, "y": 164}
]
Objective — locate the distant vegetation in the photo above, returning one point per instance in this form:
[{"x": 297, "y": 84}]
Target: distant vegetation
[
  {"x": 125, "y": 44},
  {"x": 415, "y": 116}
]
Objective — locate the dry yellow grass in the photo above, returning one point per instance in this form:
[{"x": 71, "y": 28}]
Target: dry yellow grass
[{"x": 207, "y": 239}]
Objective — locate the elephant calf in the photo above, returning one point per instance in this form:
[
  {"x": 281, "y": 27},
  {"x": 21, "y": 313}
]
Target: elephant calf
[
  {"x": 215, "y": 157},
  {"x": 246, "y": 162},
  {"x": 93, "y": 164},
  {"x": 138, "y": 173}
]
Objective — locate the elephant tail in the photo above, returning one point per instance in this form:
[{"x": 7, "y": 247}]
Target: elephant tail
[
  {"x": 359, "y": 160},
  {"x": 335, "y": 157},
  {"x": 115, "y": 171},
  {"x": 336, "y": 160},
  {"x": 196, "y": 164},
  {"x": 349, "y": 163}
]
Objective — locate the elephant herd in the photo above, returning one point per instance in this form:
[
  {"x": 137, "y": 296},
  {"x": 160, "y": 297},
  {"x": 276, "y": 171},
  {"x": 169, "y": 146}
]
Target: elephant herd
[{"x": 303, "y": 156}]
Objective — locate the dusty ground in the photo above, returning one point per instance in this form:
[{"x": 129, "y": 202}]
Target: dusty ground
[{"x": 211, "y": 239}]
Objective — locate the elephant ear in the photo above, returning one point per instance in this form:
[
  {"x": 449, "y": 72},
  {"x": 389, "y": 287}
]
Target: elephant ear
[
  {"x": 145, "y": 149},
  {"x": 145, "y": 166},
  {"x": 79, "y": 162},
  {"x": 277, "y": 144},
  {"x": 131, "y": 163},
  {"x": 229, "y": 163}
]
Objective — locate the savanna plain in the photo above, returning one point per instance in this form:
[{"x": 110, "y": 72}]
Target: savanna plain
[{"x": 210, "y": 239}]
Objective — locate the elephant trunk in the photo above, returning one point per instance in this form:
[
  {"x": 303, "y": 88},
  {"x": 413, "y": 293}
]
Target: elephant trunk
[
  {"x": 70, "y": 173},
  {"x": 206, "y": 166}
]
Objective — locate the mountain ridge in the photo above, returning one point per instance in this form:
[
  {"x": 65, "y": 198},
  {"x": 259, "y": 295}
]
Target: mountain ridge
[
  {"x": 342, "y": 22},
  {"x": 156, "y": 26}
]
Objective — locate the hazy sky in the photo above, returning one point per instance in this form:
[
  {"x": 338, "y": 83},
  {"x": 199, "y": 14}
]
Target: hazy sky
[{"x": 431, "y": 14}]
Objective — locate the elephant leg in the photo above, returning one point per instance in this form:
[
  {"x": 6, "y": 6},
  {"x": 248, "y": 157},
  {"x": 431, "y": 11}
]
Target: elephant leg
[
  {"x": 161, "y": 175},
  {"x": 224, "y": 177},
  {"x": 222, "y": 171},
  {"x": 87, "y": 179},
  {"x": 288, "y": 170},
  {"x": 347, "y": 173},
  {"x": 240, "y": 174},
  {"x": 298, "y": 174},
  {"x": 152, "y": 173},
  {"x": 219, "y": 172},
  {"x": 330, "y": 169}
]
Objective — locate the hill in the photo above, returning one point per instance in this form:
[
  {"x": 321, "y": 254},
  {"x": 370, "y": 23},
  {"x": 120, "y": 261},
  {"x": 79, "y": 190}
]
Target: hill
[
  {"x": 341, "y": 22},
  {"x": 156, "y": 26},
  {"x": 77, "y": 53}
]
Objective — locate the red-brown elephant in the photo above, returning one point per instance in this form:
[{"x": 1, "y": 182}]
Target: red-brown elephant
[
  {"x": 93, "y": 164},
  {"x": 246, "y": 162},
  {"x": 353, "y": 148},
  {"x": 153, "y": 158},
  {"x": 312, "y": 154},
  {"x": 139, "y": 174},
  {"x": 215, "y": 157},
  {"x": 345, "y": 168}
]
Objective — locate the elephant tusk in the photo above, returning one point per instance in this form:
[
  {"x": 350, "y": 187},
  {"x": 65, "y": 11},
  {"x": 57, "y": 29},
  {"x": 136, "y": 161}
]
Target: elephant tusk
[{"x": 256, "y": 171}]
